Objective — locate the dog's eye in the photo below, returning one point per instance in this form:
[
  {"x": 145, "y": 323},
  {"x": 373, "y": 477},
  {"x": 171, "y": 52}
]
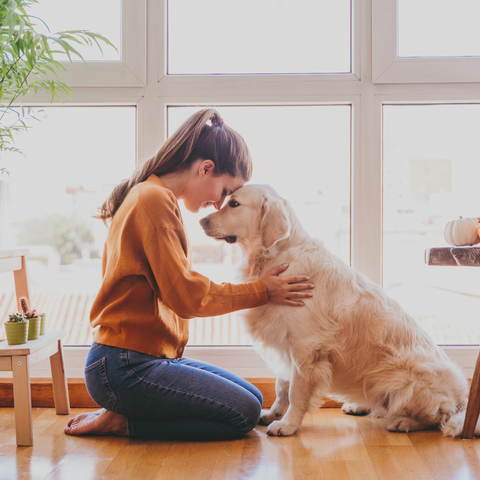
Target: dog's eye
[{"x": 233, "y": 203}]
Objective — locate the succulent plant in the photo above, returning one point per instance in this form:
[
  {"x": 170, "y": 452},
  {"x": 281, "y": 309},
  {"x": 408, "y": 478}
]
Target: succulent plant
[
  {"x": 26, "y": 308},
  {"x": 17, "y": 318}
]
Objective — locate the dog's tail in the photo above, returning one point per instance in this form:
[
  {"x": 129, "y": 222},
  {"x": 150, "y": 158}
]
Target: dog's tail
[{"x": 453, "y": 427}]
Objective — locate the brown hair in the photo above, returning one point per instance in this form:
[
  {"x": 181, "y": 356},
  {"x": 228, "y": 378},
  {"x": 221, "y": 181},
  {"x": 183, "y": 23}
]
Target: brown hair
[{"x": 195, "y": 139}]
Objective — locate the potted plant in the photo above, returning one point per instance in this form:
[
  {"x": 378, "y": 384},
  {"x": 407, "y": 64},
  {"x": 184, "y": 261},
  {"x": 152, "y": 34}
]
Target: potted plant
[
  {"x": 42, "y": 323},
  {"x": 28, "y": 63},
  {"x": 16, "y": 328},
  {"x": 32, "y": 317}
]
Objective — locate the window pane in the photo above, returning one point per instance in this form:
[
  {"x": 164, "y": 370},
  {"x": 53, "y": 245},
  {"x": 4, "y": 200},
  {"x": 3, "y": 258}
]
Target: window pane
[
  {"x": 103, "y": 17},
  {"x": 438, "y": 28},
  {"x": 73, "y": 159},
  {"x": 304, "y": 153},
  {"x": 431, "y": 171},
  {"x": 248, "y": 36}
]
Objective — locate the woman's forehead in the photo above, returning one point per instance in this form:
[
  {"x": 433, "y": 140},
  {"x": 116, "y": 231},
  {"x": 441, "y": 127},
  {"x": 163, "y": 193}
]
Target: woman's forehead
[{"x": 233, "y": 183}]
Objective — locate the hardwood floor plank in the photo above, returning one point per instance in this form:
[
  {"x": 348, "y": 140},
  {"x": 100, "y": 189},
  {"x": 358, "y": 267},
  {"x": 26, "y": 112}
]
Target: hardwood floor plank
[
  {"x": 187, "y": 460},
  {"x": 79, "y": 469},
  {"x": 151, "y": 461},
  {"x": 448, "y": 458},
  {"x": 7, "y": 452},
  {"x": 374, "y": 432},
  {"x": 472, "y": 449},
  {"x": 7, "y": 425},
  {"x": 325, "y": 424},
  {"x": 360, "y": 470},
  {"x": 254, "y": 463},
  {"x": 38, "y": 461},
  {"x": 98, "y": 447},
  {"x": 126, "y": 463},
  {"x": 398, "y": 462},
  {"x": 228, "y": 464},
  {"x": 291, "y": 458},
  {"x": 333, "y": 469},
  {"x": 330, "y": 445}
]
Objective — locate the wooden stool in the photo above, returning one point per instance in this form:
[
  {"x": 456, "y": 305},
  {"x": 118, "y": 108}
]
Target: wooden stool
[{"x": 18, "y": 359}]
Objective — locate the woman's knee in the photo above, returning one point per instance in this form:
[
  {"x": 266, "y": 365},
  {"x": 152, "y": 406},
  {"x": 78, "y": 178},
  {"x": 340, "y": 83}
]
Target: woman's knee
[
  {"x": 258, "y": 396},
  {"x": 251, "y": 415}
]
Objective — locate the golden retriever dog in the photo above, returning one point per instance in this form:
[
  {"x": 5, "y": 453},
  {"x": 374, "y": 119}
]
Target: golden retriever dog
[{"x": 350, "y": 341}]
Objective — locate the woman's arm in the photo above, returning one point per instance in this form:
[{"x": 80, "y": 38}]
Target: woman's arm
[
  {"x": 185, "y": 291},
  {"x": 190, "y": 294}
]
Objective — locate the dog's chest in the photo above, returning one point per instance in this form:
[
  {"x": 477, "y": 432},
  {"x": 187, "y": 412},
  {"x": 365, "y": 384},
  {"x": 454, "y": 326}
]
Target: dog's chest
[{"x": 268, "y": 325}]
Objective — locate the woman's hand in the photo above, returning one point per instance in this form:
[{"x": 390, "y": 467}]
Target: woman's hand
[{"x": 284, "y": 290}]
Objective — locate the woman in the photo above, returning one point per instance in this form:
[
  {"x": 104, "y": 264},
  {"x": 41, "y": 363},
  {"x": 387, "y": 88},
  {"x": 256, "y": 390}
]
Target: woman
[{"x": 135, "y": 368}]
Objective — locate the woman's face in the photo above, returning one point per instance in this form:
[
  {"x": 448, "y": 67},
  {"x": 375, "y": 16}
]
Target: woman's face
[{"x": 204, "y": 189}]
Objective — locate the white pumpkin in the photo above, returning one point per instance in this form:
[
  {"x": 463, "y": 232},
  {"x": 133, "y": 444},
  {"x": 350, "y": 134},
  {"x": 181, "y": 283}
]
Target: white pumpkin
[{"x": 463, "y": 231}]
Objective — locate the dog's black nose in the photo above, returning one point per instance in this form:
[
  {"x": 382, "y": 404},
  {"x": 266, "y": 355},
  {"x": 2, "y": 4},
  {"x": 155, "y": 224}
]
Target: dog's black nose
[{"x": 204, "y": 222}]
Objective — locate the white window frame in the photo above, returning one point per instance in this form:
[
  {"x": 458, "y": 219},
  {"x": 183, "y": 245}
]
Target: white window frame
[
  {"x": 360, "y": 89},
  {"x": 387, "y": 67},
  {"x": 256, "y": 80},
  {"x": 131, "y": 70}
]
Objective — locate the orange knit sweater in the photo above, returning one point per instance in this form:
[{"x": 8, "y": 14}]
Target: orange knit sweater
[{"x": 149, "y": 290}]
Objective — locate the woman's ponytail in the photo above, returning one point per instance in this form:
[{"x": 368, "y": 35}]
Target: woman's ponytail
[{"x": 195, "y": 139}]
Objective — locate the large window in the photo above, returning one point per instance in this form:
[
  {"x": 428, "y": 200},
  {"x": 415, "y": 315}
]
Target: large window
[
  {"x": 359, "y": 113},
  {"x": 104, "y": 16},
  {"x": 431, "y": 166},
  {"x": 72, "y": 158},
  {"x": 251, "y": 37},
  {"x": 438, "y": 28}
]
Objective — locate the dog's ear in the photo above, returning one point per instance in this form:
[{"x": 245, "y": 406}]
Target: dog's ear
[{"x": 275, "y": 224}]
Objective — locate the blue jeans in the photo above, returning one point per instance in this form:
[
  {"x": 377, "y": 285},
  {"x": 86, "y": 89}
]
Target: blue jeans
[{"x": 171, "y": 399}]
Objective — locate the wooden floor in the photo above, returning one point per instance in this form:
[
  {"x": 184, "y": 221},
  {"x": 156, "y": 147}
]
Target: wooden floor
[{"x": 331, "y": 445}]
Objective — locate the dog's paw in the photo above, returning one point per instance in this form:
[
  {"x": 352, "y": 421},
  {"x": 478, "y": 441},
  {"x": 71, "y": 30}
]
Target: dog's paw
[
  {"x": 354, "y": 409},
  {"x": 408, "y": 424},
  {"x": 281, "y": 428},
  {"x": 268, "y": 416},
  {"x": 401, "y": 424}
]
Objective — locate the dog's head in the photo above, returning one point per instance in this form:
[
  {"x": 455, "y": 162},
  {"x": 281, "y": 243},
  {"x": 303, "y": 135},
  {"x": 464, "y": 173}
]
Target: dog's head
[{"x": 251, "y": 212}]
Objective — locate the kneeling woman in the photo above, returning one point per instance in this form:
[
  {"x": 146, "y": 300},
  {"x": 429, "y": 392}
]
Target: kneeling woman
[{"x": 135, "y": 368}]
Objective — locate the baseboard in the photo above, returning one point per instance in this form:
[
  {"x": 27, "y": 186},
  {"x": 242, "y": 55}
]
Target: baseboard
[{"x": 42, "y": 393}]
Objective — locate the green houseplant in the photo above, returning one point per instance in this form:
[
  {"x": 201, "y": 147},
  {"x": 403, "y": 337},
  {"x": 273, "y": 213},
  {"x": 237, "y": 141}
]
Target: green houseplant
[
  {"x": 28, "y": 63},
  {"x": 16, "y": 328},
  {"x": 42, "y": 323},
  {"x": 32, "y": 317}
]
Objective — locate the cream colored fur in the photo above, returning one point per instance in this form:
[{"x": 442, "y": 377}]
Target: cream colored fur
[{"x": 349, "y": 341}]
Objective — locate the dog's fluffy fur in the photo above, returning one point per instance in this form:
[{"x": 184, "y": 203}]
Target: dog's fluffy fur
[{"x": 349, "y": 341}]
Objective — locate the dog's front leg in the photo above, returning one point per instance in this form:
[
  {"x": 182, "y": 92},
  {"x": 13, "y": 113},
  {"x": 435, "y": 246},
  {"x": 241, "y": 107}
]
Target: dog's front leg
[
  {"x": 300, "y": 392},
  {"x": 280, "y": 405},
  {"x": 304, "y": 383}
]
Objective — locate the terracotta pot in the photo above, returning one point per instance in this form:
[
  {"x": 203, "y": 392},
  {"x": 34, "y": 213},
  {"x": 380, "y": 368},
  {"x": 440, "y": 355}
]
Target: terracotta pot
[
  {"x": 33, "y": 328},
  {"x": 17, "y": 333}
]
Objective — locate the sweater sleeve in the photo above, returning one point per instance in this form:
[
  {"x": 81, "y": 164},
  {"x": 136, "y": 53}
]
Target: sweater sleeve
[{"x": 188, "y": 293}]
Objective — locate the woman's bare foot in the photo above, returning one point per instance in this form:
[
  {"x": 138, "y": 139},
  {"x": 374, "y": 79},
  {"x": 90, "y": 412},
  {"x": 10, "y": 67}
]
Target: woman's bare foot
[{"x": 101, "y": 422}]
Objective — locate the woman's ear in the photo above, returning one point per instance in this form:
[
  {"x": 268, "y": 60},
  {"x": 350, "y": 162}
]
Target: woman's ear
[
  {"x": 206, "y": 168},
  {"x": 275, "y": 224}
]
